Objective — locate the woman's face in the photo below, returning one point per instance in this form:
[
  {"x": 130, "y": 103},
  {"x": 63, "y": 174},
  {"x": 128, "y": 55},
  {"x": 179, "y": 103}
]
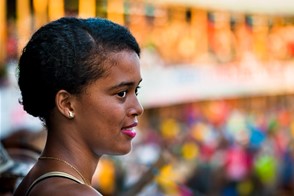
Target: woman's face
[{"x": 106, "y": 113}]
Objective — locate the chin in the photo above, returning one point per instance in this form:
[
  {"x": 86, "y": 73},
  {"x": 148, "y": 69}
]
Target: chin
[
  {"x": 123, "y": 151},
  {"x": 118, "y": 150}
]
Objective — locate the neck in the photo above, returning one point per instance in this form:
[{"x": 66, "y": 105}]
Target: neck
[
  {"x": 77, "y": 156},
  {"x": 69, "y": 165}
]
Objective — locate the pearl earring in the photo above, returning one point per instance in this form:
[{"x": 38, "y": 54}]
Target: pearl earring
[{"x": 71, "y": 114}]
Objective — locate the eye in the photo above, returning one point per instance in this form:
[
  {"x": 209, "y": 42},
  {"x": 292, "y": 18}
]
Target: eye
[
  {"x": 122, "y": 94},
  {"x": 137, "y": 89}
]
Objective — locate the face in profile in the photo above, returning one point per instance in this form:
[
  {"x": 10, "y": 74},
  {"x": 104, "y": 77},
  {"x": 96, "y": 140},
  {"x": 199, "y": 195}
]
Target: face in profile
[{"x": 106, "y": 113}]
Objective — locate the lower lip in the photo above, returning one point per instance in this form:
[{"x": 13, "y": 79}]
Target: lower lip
[{"x": 129, "y": 133}]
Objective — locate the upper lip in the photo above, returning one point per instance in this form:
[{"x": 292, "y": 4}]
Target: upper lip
[{"x": 131, "y": 126}]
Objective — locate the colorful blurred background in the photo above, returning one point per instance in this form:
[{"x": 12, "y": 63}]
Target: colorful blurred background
[{"x": 218, "y": 93}]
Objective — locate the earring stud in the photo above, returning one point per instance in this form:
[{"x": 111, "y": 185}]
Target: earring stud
[{"x": 71, "y": 114}]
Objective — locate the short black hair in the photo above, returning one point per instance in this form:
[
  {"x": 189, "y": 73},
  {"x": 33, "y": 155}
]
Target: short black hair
[{"x": 67, "y": 54}]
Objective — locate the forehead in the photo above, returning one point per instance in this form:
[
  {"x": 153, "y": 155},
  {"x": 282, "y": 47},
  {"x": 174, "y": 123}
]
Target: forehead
[
  {"x": 122, "y": 63},
  {"x": 121, "y": 67}
]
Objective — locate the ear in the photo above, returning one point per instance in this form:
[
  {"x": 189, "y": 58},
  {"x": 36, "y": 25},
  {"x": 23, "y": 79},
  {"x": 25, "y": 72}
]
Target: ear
[{"x": 63, "y": 101}]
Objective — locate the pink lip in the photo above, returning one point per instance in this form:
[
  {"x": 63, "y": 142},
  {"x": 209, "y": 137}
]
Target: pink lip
[
  {"x": 129, "y": 131},
  {"x": 131, "y": 126}
]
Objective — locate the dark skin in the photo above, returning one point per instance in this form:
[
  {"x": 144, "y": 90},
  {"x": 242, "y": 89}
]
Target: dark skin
[{"x": 104, "y": 116}]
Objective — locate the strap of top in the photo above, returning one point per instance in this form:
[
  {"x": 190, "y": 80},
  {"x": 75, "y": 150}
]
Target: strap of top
[{"x": 53, "y": 174}]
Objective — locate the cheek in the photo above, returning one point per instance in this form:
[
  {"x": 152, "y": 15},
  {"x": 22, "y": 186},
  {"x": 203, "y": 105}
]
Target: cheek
[
  {"x": 107, "y": 114},
  {"x": 113, "y": 115},
  {"x": 103, "y": 112}
]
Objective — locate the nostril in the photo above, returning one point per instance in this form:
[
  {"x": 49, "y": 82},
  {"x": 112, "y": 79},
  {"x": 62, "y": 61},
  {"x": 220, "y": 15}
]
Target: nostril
[{"x": 137, "y": 110}]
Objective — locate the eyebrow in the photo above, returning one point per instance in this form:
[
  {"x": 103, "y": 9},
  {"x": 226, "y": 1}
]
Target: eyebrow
[{"x": 122, "y": 84}]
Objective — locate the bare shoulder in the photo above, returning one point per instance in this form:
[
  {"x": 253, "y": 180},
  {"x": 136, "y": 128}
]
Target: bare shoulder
[{"x": 61, "y": 188}]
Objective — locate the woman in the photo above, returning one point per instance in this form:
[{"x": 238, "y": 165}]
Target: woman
[{"x": 80, "y": 77}]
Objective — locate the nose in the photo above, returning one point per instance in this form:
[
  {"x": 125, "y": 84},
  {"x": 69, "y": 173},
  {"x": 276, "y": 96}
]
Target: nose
[{"x": 136, "y": 108}]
